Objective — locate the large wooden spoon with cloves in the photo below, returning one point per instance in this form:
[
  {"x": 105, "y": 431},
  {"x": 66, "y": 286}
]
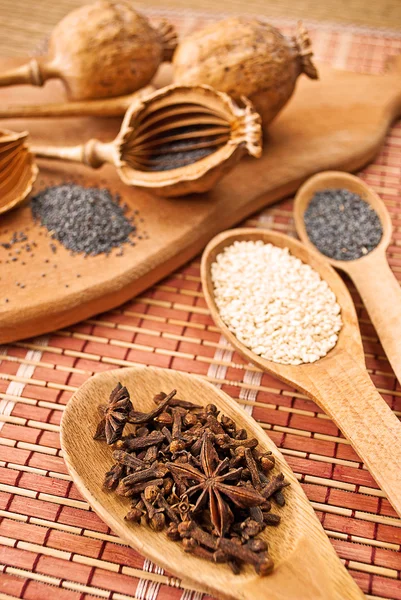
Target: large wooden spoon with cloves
[{"x": 306, "y": 565}]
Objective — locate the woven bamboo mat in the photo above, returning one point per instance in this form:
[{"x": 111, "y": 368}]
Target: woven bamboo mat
[
  {"x": 23, "y": 23},
  {"x": 53, "y": 547}
]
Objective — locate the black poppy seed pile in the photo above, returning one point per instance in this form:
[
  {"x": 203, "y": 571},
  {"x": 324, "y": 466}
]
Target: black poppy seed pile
[
  {"x": 342, "y": 225},
  {"x": 169, "y": 155},
  {"x": 84, "y": 220},
  {"x": 166, "y": 162}
]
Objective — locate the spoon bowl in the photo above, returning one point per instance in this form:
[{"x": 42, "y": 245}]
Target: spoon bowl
[
  {"x": 306, "y": 565},
  {"x": 338, "y": 382},
  {"x": 339, "y": 180},
  {"x": 371, "y": 274}
]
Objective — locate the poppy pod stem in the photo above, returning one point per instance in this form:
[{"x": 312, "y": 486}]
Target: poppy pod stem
[
  {"x": 93, "y": 154},
  {"x": 30, "y": 73}
]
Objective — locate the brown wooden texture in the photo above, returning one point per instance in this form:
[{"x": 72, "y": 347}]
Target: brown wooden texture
[
  {"x": 337, "y": 122},
  {"x": 338, "y": 383},
  {"x": 380, "y": 290},
  {"x": 306, "y": 564}
]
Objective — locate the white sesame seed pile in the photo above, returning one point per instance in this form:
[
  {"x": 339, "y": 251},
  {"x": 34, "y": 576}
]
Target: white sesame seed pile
[{"x": 275, "y": 304}]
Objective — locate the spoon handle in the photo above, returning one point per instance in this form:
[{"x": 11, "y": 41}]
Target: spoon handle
[
  {"x": 381, "y": 294},
  {"x": 343, "y": 388}
]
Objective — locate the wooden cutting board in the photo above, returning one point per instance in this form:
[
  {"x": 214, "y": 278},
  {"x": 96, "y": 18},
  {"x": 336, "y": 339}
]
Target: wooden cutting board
[{"x": 338, "y": 122}]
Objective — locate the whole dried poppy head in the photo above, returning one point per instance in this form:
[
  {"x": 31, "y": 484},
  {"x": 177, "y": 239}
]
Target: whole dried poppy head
[{"x": 114, "y": 415}]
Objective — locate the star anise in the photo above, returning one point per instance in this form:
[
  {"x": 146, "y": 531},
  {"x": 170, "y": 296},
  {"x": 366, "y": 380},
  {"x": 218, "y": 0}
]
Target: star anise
[
  {"x": 114, "y": 415},
  {"x": 211, "y": 483}
]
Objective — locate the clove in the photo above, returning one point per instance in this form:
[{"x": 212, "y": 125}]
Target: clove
[{"x": 140, "y": 417}]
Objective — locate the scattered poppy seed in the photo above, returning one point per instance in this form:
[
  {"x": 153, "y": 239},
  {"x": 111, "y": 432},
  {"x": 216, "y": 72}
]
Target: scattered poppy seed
[{"x": 89, "y": 221}]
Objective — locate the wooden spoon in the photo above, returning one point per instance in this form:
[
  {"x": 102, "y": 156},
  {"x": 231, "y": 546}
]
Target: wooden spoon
[
  {"x": 371, "y": 274},
  {"x": 306, "y": 565},
  {"x": 339, "y": 382}
]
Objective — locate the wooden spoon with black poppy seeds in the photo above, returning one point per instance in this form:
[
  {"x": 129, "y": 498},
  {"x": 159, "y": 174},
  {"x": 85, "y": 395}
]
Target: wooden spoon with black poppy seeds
[{"x": 371, "y": 274}]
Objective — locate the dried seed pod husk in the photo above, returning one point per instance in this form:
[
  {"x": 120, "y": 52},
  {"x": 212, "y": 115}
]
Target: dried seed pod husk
[
  {"x": 177, "y": 141},
  {"x": 17, "y": 169},
  {"x": 100, "y": 50},
  {"x": 183, "y": 139},
  {"x": 246, "y": 57}
]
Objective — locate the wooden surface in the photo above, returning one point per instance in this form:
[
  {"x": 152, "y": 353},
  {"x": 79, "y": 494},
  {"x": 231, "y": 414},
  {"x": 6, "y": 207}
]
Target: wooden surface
[
  {"x": 20, "y": 35},
  {"x": 380, "y": 291},
  {"x": 338, "y": 383},
  {"x": 338, "y": 122},
  {"x": 306, "y": 565}
]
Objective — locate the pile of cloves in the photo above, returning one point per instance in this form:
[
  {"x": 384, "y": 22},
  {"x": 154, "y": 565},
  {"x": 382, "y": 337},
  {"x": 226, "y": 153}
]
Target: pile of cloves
[{"x": 190, "y": 469}]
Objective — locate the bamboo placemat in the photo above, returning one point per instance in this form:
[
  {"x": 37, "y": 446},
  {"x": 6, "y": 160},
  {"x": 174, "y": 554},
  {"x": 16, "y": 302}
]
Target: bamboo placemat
[
  {"x": 24, "y": 23},
  {"x": 52, "y": 546}
]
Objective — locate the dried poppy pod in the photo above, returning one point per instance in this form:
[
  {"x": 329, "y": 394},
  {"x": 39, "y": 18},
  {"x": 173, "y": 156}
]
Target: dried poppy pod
[
  {"x": 246, "y": 57},
  {"x": 100, "y": 50},
  {"x": 179, "y": 140},
  {"x": 17, "y": 169}
]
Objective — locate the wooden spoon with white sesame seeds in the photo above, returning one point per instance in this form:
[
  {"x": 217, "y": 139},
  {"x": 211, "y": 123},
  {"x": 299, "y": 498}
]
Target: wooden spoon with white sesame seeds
[
  {"x": 306, "y": 566},
  {"x": 339, "y": 383},
  {"x": 371, "y": 274}
]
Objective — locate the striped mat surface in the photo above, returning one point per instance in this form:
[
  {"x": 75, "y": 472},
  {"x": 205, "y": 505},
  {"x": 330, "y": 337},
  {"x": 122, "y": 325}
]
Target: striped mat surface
[{"x": 52, "y": 546}]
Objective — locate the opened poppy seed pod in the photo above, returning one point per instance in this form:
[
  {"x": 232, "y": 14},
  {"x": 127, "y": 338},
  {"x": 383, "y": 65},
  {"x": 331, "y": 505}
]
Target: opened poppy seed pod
[
  {"x": 100, "y": 50},
  {"x": 17, "y": 169},
  {"x": 246, "y": 57},
  {"x": 179, "y": 140}
]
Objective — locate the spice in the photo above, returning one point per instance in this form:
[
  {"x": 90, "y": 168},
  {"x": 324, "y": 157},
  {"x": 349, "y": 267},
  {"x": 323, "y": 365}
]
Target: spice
[
  {"x": 100, "y": 50},
  {"x": 182, "y": 139},
  {"x": 84, "y": 220},
  {"x": 164, "y": 154},
  {"x": 246, "y": 57},
  {"x": 190, "y": 470},
  {"x": 275, "y": 304},
  {"x": 342, "y": 225},
  {"x": 114, "y": 415}
]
